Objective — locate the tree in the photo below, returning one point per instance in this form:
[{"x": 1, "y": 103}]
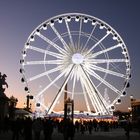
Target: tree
[
  {"x": 3, "y": 83},
  {"x": 12, "y": 106}
]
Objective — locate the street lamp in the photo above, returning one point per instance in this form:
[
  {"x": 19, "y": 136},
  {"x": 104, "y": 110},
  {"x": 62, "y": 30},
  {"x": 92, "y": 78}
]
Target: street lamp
[
  {"x": 24, "y": 105},
  {"x": 28, "y": 104},
  {"x": 131, "y": 108},
  {"x": 131, "y": 98}
]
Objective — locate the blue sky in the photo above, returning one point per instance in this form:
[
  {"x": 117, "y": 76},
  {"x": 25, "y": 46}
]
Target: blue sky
[{"x": 18, "y": 18}]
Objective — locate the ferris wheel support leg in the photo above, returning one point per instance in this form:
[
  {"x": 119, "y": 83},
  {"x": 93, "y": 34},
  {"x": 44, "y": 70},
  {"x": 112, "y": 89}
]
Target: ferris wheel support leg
[
  {"x": 94, "y": 100},
  {"x": 94, "y": 104},
  {"x": 99, "y": 99},
  {"x": 86, "y": 99},
  {"x": 96, "y": 91},
  {"x": 59, "y": 92},
  {"x": 72, "y": 97}
]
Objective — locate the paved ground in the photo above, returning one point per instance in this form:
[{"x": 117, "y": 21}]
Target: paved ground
[{"x": 117, "y": 134}]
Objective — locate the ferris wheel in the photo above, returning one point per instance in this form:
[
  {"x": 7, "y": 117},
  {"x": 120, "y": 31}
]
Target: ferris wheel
[{"x": 82, "y": 53}]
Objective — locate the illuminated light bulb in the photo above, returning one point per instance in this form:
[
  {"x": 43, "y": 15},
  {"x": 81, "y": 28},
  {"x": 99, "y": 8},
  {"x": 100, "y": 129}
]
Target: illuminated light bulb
[
  {"x": 52, "y": 22},
  {"x": 68, "y": 18},
  {"x": 37, "y": 32},
  {"x": 94, "y": 22},
  {"x": 60, "y": 20},
  {"x": 124, "y": 52},
  {"x": 85, "y": 20},
  {"x": 27, "y": 46},
  {"x": 44, "y": 27},
  {"x": 77, "y": 18},
  {"x": 101, "y": 26},
  {"x": 115, "y": 37},
  {"x": 21, "y": 61},
  {"x": 126, "y": 60},
  {"x": 32, "y": 38},
  {"x": 120, "y": 43},
  {"x": 23, "y": 64},
  {"x": 24, "y": 55},
  {"x": 108, "y": 31}
]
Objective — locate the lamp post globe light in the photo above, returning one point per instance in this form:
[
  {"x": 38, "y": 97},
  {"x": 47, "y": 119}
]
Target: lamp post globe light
[{"x": 80, "y": 51}]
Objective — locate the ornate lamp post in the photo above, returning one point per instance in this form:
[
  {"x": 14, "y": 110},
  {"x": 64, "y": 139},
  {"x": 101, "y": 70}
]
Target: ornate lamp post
[
  {"x": 69, "y": 109},
  {"x": 131, "y": 107},
  {"x": 28, "y": 104}
]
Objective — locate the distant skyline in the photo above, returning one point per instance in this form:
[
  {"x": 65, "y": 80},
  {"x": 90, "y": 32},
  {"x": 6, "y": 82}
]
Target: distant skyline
[{"x": 19, "y": 18}]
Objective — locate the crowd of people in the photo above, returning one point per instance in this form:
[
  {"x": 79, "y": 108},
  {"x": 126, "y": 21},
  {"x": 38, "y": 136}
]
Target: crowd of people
[{"x": 32, "y": 129}]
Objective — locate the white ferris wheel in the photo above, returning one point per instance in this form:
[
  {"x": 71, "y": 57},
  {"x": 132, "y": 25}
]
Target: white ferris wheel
[{"x": 81, "y": 52}]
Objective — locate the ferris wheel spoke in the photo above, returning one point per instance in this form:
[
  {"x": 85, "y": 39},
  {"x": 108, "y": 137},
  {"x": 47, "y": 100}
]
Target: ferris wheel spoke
[
  {"x": 65, "y": 45},
  {"x": 85, "y": 96},
  {"x": 97, "y": 61},
  {"x": 94, "y": 67},
  {"x": 73, "y": 86},
  {"x": 94, "y": 97},
  {"x": 116, "y": 67},
  {"x": 94, "y": 104},
  {"x": 37, "y": 49},
  {"x": 53, "y": 44},
  {"x": 105, "y": 50},
  {"x": 69, "y": 33},
  {"x": 43, "y": 62},
  {"x": 99, "y": 101},
  {"x": 57, "y": 55},
  {"x": 89, "y": 37},
  {"x": 104, "y": 103},
  {"x": 44, "y": 73},
  {"x": 96, "y": 44},
  {"x": 56, "y": 79},
  {"x": 91, "y": 72},
  {"x": 60, "y": 91},
  {"x": 80, "y": 32}
]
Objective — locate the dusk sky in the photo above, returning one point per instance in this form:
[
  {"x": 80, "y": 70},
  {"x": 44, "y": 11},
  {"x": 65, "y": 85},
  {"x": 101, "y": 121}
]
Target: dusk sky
[{"x": 18, "y": 18}]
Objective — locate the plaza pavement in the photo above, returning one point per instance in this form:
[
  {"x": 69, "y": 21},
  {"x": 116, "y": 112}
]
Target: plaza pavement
[{"x": 117, "y": 134}]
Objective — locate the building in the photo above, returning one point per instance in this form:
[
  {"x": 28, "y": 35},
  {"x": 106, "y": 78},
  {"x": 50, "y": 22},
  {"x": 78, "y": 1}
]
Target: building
[
  {"x": 135, "y": 112},
  {"x": 4, "y": 106}
]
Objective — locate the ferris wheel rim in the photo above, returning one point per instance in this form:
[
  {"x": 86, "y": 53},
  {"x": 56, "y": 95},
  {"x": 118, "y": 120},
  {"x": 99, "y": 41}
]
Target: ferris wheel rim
[{"x": 82, "y": 15}]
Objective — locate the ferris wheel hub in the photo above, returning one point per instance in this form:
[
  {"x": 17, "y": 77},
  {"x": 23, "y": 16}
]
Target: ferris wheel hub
[{"x": 77, "y": 58}]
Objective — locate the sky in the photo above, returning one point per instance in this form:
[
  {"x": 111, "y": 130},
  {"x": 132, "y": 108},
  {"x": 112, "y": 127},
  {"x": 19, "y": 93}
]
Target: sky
[{"x": 18, "y": 18}]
